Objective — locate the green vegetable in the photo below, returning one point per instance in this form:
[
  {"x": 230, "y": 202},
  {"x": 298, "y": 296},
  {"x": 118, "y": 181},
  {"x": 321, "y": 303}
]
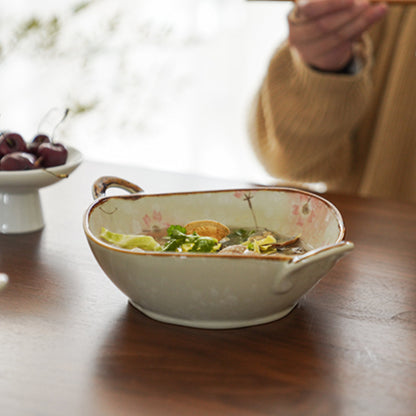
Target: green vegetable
[
  {"x": 144, "y": 242},
  {"x": 264, "y": 245},
  {"x": 240, "y": 236},
  {"x": 205, "y": 245},
  {"x": 177, "y": 237},
  {"x": 178, "y": 240}
]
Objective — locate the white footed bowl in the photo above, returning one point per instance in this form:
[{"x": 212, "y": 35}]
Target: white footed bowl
[
  {"x": 20, "y": 204},
  {"x": 211, "y": 290}
]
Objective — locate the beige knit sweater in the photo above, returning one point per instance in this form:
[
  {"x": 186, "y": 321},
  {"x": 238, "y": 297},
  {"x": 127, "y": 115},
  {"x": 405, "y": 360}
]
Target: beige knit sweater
[{"x": 356, "y": 133}]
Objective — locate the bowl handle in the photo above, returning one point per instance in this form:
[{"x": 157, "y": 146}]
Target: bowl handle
[
  {"x": 308, "y": 268},
  {"x": 101, "y": 185},
  {"x": 329, "y": 253}
]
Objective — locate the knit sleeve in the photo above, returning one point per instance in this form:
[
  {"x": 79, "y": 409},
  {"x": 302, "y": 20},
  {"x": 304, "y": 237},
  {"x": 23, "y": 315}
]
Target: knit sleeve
[{"x": 303, "y": 121}]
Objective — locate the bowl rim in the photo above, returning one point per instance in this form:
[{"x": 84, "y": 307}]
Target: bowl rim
[{"x": 136, "y": 196}]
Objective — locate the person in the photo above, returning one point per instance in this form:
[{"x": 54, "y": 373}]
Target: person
[{"x": 338, "y": 102}]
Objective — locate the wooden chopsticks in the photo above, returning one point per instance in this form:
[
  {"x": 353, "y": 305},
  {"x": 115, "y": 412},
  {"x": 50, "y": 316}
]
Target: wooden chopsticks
[{"x": 399, "y": 2}]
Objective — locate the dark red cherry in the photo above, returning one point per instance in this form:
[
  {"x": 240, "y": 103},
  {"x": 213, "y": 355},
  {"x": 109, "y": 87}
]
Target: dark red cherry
[
  {"x": 52, "y": 154},
  {"x": 18, "y": 161},
  {"x": 11, "y": 142},
  {"x": 33, "y": 146}
]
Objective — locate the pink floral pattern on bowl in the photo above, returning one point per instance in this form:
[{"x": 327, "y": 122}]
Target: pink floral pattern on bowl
[{"x": 153, "y": 221}]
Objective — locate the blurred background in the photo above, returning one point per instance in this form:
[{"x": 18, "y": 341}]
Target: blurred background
[{"x": 163, "y": 84}]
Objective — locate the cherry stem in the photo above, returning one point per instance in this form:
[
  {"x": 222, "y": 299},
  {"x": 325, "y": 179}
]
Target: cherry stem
[
  {"x": 45, "y": 117},
  {"x": 57, "y": 175},
  {"x": 62, "y": 120},
  {"x": 58, "y": 124}
]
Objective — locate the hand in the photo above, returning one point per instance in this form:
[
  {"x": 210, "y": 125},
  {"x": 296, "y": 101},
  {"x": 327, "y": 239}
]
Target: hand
[{"x": 324, "y": 31}]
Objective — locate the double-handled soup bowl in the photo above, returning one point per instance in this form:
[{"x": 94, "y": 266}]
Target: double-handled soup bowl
[{"x": 212, "y": 290}]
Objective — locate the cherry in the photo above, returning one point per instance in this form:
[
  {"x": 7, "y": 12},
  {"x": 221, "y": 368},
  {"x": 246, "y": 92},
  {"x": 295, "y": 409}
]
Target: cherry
[
  {"x": 18, "y": 161},
  {"x": 33, "y": 146},
  {"x": 11, "y": 142},
  {"x": 42, "y": 152},
  {"x": 52, "y": 154}
]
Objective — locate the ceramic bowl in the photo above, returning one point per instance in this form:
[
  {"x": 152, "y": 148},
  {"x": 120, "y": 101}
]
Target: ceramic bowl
[
  {"x": 20, "y": 204},
  {"x": 211, "y": 290}
]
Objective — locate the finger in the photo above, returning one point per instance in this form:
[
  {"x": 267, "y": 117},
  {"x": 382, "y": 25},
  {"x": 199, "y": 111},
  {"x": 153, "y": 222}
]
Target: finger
[
  {"x": 322, "y": 26},
  {"x": 333, "y": 22},
  {"x": 353, "y": 29},
  {"x": 362, "y": 23},
  {"x": 312, "y": 9},
  {"x": 348, "y": 33}
]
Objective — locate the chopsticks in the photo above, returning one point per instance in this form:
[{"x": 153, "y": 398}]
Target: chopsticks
[{"x": 401, "y": 2}]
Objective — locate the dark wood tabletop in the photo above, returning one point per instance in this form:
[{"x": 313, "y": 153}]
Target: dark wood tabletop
[{"x": 70, "y": 344}]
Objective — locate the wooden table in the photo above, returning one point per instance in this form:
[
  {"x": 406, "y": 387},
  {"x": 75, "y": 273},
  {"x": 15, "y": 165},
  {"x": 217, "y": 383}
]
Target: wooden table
[{"x": 71, "y": 345}]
